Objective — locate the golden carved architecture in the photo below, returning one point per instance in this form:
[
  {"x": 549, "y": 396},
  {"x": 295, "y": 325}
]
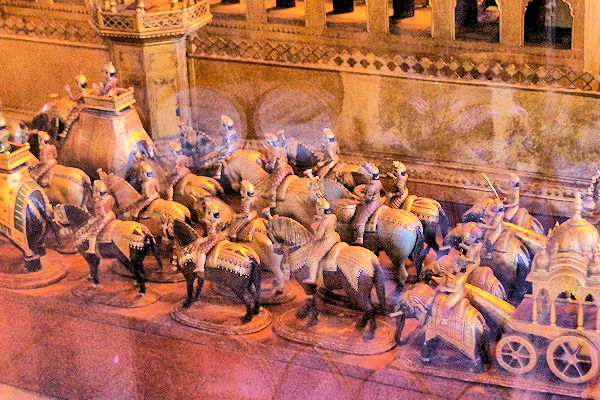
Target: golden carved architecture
[{"x": 513, "y": 89}]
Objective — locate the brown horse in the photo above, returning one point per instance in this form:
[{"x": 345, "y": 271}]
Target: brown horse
[
  {"x": 127, "y": 241},
  {"x": 230, "y": 264}
]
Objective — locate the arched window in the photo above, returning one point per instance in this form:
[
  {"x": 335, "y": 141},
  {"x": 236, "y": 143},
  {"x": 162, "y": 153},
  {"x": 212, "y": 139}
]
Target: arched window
[
  {"x": 590, "y": 312},
  {"x": 567, "y": 308},
  {"x": 548, "y": 23},
  {"x": 411, "y": 17},
  {"x": 477, "y": 20}
]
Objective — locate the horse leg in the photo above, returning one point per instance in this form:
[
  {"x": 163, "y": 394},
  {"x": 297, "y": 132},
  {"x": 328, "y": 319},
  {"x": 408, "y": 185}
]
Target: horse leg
[
  {"x": 198, "y": 286},
  {"x": 310, "y": 290},
  {"x": 372, "y": 325},
  {"x": 244, "y": 295},
  {"x": 137, "y": 267},
  {"x": 190, "y": 277},
  {"x": 93, "y": 262}
]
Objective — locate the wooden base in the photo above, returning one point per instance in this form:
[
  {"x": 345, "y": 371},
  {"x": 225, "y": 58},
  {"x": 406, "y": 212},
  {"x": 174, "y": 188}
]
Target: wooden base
[
  {"x": 335, "y": 331},
  {"x": 13, "y": 274},
  {"x": 56, "y": 343},
  {"x": 115, "y": 293},
  {"x": 210, "y": 315}
]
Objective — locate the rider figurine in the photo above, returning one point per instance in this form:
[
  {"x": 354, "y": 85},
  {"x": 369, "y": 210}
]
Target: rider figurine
[
  {"x": 493, "y": 227},
  {"x": 109, "y": 85},
  {"x": 48, "y": 157},
  {"x": 510, "y": 197},
  {"x": 247, "y": 212},
  {"x": 180, "y": 169},
  {"x": 229, "y": 137},
  {"x": 330, "y": 149},
  {"x": 203, "y": 245},
  {"x": 454, "y": 279},
  {"x": 325, "y": 237},
  {"x": 277, "y": 165},
  {"x": 4, "y": 136},
  {"x": 103, "y": 214},
  {"x": 76, "y": 95},
  {"x": 369, "y": 203},
  {"x": 187, "y": 137},
  {"x": 150, "y": 190},
  {"x": 398, "y": 196}
]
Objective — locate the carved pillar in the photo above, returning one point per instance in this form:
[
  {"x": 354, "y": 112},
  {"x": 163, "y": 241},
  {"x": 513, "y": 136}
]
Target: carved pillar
[
  {"x": 314, "y": 15},
  {"x": 158, "y": 72},
  {"x": 256, "y": 12},
  {"x": 148, "y": 49},
  {"x": 511, "y": 22},
  {"x": 591, "y": 37},
  {"x": 378, "y": 21},
  {"x": 442, "y": 19}
]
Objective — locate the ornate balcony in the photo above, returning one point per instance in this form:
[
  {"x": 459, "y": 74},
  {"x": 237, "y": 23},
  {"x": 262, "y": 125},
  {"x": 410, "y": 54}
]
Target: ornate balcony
[{"x": 136, "y": 21}]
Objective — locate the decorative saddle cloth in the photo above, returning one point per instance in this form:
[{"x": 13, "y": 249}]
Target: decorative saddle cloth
[
  {"x": 351, "y": 260},
  {"x": 424, "y": 208},
  {"x": 124, "y": 234},
  {"x": 454, "y": 328},
  {"x": 283, "y": 187},
  {"x": 246, "y": 234},
  {"x": 234, "y": 257}
]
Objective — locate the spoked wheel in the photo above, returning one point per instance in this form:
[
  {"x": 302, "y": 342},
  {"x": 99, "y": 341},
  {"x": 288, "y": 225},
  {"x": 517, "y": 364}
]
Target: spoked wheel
[
  {"x": 516, "y": 354},
  {"x": 573, "y": 359}
]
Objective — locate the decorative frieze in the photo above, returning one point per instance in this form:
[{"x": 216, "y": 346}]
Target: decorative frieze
[
  {"x": 311, "y": 55},
  {"x": 50, "y": 27}
]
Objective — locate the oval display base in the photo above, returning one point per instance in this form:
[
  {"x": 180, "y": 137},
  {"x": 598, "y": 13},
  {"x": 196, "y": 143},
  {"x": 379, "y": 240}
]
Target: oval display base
[
  {"x": 115, "y": 293},
  {"x": 13, "y": 274},
  {"x": 335, "y": 331},
  {"x": 267, "y": 294},
  {"x": 210, "y": 316},
  {"x": 153, "y": 271}
]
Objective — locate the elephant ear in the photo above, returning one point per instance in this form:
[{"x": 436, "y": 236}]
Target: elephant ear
[
  {"x": 288, "y": 231},
  {"x": 333, "y": 190}
]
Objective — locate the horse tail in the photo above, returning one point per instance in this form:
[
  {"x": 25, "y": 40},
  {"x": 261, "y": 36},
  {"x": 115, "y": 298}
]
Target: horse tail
[
  {"x": 444, "y": 223},
  {"x": 416, "y": 255},
  {"x": 379, "y": 281},
  {"x": 154, "y": 248},
  {"x": 255, "y": 280}
]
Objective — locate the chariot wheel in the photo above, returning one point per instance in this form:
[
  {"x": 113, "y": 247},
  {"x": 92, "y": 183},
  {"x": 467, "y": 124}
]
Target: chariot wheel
[
  {"x": 573, "y": 359},
  {"x": 516, "y": 354}
]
